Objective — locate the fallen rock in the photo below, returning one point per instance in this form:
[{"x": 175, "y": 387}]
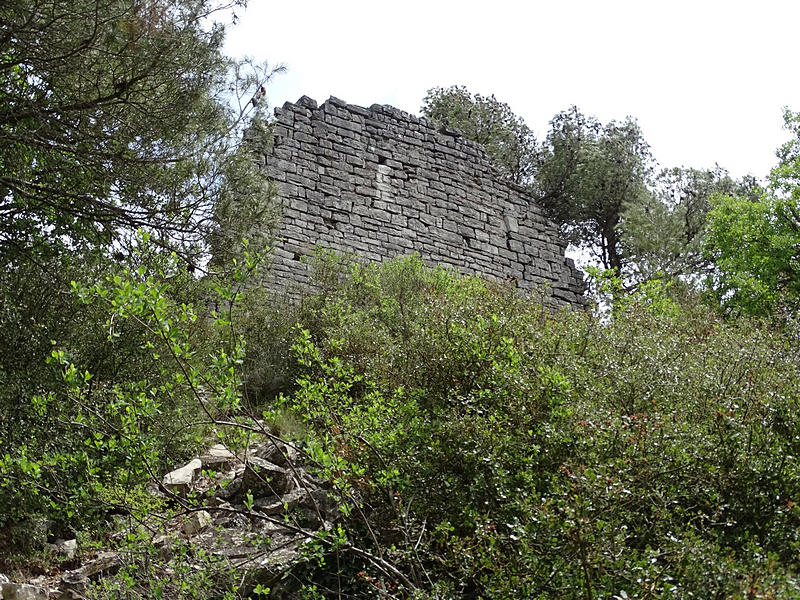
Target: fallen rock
[
  {"x": 197, "y": 522},
  {"x": 215, "y": 501},
  {"x": 66, "y": 548},
  {"x": 269, "y": 568},
  {"x": 160, "y": 540},
  {"x": 73, "y": 585},
  {"x": 23, "y": 591},
  {"x": 264, "y": 478},
  {"x": 164, "y": 544},
  {"x": 262, "y": 541},
  {"x": 277, "y": 453},
  {"x": 231, "y": 520},
  {"x": 229, "y": 489},
  {"x": 275, "y": 505},
  {"x": 180, "y": 480},
  {"x": 218, "y": 458},
  {"x": 237, "y": 552},
  {"x": 106, "y": 563}
]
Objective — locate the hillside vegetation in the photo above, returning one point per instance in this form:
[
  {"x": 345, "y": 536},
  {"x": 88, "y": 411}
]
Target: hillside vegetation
[
  {"x": 481, "y": 445},
  {"x": 434, "y": 435},
  {"x": 504, "y": 451}
]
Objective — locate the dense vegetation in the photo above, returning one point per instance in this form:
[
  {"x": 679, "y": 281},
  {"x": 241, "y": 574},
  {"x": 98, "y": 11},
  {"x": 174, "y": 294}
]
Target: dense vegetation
[
  {"x": 477, "y": 443},
  {"x": 504, "y": 451}
]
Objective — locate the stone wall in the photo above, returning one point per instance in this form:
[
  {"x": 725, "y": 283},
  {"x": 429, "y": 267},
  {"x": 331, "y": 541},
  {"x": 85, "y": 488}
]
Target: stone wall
[{"x": 384, "y": 183}]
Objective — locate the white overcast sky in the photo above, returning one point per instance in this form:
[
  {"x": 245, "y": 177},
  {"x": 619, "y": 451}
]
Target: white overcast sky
[{"x": 707, "y": 80}]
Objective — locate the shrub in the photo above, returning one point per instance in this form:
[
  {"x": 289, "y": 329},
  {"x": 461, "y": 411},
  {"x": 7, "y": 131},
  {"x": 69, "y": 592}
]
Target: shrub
[
  {"x": 115, "y": 401},
  {"x": 478, "y": 444},
  {"x": 490, "y": 447}
]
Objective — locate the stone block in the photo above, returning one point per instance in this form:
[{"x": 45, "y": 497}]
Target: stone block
[
  {"x": 218, "y": 458},
  {"x": 22, "y": 591},
  {"x": 180, "y": 480},
  {"x": 197, "y": 522},
  {"x": 264, "y": 478}
]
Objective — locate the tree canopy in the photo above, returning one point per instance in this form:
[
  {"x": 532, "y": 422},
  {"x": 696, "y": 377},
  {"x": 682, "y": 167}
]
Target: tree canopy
[
  {"x": 601, "y": 185},
  {"x": 755, "y": 242},
  {"x": 114, "y": 116},
  {"x": 589, "y": 174},
  {"x": 484, "y": 119},
  {"x": 665, "y": 233}
]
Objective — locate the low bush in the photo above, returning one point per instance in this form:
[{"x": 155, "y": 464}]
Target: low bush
[
  {"x": 97, "y": 411},
  {"x": 488, "y": 447},
  {"x": 478, "y": 443}
]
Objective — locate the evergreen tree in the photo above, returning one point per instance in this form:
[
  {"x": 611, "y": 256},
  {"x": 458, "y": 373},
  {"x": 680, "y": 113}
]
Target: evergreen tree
[
  {"x": 665, "y": 233},
  {"x": 117, "y": 115},
  {"x": 589, "y": 174},
  {"x": 507, "y": 140}
]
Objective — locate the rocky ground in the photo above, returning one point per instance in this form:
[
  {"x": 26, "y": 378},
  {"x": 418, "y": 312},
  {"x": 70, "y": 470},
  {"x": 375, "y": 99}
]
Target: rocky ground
[{"x": 246, "y": 513}]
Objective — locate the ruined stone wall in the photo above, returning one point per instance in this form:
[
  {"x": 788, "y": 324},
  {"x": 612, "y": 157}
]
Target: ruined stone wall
[{"x": 383, "y": 183}]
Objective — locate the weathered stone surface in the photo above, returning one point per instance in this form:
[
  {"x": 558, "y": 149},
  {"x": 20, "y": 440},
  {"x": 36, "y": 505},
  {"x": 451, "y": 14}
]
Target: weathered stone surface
[
  {"x": 23, "y": 591},
  {"x": 106, "y": 563},
  {"x": 73, "y": 585},
  {"x": 383, "y": 183},
  {"x": 229, "y": 489},
  {"x": 220, "y": 450},
  {"x": 66, "y": 548},
  {"x": 276, "y": 505},
  {"x": 180, "y": 480},
  {"x": 277, "y": 453},
  {"x": 263, "y": 478},
  {"x": 218, "y": 458},
  {"x": 197, "y": 522}
]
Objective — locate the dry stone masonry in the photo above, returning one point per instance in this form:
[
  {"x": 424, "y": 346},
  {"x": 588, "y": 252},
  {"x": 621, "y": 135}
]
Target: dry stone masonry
[{"x": 383, "y": 183}]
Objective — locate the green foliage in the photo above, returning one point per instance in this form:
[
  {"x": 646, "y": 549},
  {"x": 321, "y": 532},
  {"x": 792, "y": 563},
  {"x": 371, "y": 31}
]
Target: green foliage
[
  {"x": 477, "y": 445},
  {"x": 193, "y": 573},
  {"x": 785, "y": 178},
  {"x": 483, "y": 119},
  {"x": 754, "y": 245},
  {"x": 266, "y": 321},
  {"x": 754, "y": 242},
  {"x": 589, "y": 175},
  {"x": 665, "y": 233},
  {"x": 485, "y": 447},
  {"x": 89, "y": 441},
  {"x": 597, "y": 182},
  {"x": 116, "y": 116}
]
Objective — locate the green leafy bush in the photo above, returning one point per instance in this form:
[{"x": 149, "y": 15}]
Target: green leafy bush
[
  {"x": 118, "y": 400},
  {"x": 487, "y": 447},
  {"x": 478, "y": 444}
]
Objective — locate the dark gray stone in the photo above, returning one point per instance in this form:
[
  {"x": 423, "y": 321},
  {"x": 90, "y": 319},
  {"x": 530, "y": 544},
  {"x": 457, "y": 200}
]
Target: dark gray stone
[
  {"x": 263, "y": 478},
  {"x": 400, "y": 186},
  {"x": 22, "y": 591}
]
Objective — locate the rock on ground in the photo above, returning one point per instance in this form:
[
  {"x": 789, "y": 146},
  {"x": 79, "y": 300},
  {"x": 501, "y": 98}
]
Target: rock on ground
[
  {"x": 180, "y": 480},
  {"x": 22, "y": 591}
]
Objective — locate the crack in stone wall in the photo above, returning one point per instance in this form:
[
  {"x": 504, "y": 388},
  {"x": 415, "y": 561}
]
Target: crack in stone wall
[{"x": 383, "y": 183}]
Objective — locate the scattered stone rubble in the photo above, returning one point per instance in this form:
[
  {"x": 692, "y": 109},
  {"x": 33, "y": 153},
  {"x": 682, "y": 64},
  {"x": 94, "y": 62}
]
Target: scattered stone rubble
[{"x": 252, "y": 510}]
